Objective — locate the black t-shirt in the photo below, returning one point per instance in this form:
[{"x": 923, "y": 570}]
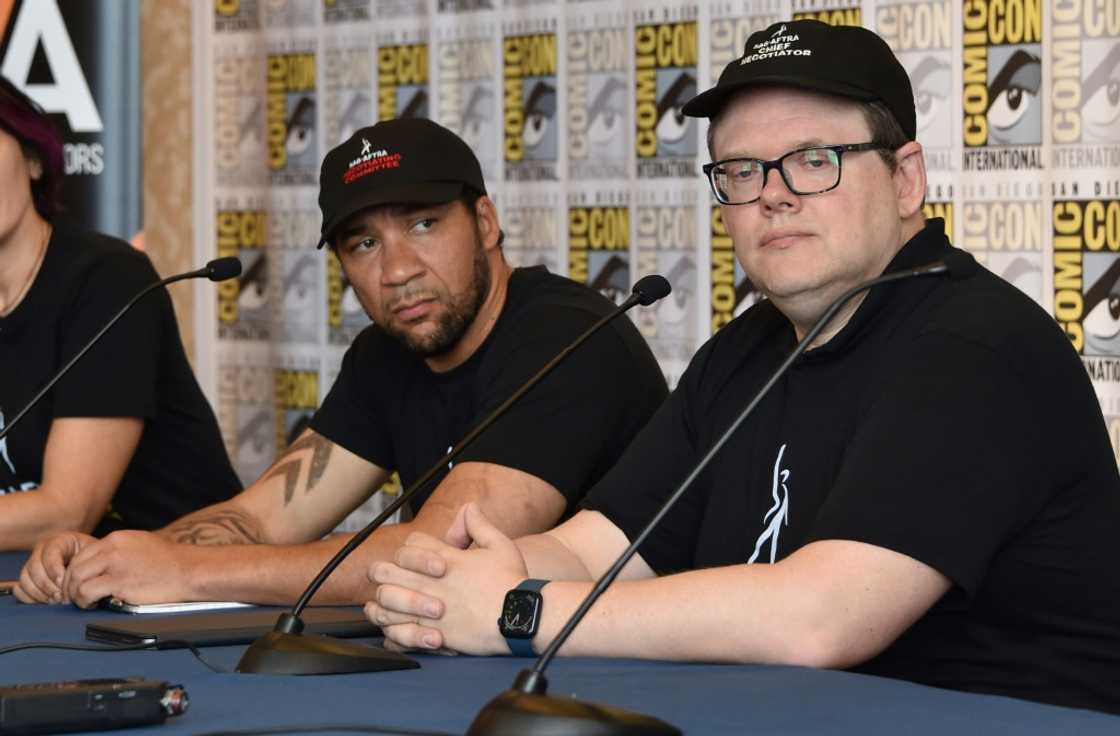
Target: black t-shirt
[
  {"x": 949, "y": 420},
  {"x": 388, "y": 407},
  {"x": 138, "y": 369}
]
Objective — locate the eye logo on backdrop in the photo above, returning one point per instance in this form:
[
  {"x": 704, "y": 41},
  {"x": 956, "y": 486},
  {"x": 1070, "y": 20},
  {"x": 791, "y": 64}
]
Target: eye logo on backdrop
[
  {"x": 346, "y": 84},
  {"x": 293, "y": 154},
  {"x": 529, "y": 107},
  {"x": 402, "y": 81},
  {"x": 1087, "y": 277},
  {"x": 597, "y": 106},
  {"x": 665, "y": 59},
  {"x": 297, "y": 395},
  {"x": 245, "y": 414},
  {"x": 1002, "y": 80},
  {"x": 732, "y": 292},
  {"x": 467, "y": 96},
  {"x": 243, "y": 312},
  {"x": 921, "y": 35},
  {"x": 599, "y": 249},
  {"x": 1085, "y": 76},
  {"x": 345, "y": 316}
]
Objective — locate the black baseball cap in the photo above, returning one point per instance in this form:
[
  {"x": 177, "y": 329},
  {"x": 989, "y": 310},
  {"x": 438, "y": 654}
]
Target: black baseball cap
[
  {"x": 848, "y": 61},
  {"x": 401, "y": 161}
]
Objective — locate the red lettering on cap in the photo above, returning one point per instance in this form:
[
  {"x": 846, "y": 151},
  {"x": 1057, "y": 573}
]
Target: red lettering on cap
[{"x": 371, "y": 166}]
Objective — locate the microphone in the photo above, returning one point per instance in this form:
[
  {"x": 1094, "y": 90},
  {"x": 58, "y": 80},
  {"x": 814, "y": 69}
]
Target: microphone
[
  {"x": 525, "y": 709},
  {"x": 284, "y": 650},
  {"x": 219, "y": 269}
]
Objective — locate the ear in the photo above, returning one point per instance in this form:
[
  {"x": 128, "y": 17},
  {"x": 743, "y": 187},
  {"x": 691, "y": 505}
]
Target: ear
[
  {"x": 35, "y": 167},
  {"x": 486, "y": 215},
  {"x": 910, "y": 179}
]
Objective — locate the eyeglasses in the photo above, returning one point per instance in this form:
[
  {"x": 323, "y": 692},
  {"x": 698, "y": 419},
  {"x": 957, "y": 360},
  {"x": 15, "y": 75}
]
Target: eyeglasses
[{"x": 811, "y": 170}]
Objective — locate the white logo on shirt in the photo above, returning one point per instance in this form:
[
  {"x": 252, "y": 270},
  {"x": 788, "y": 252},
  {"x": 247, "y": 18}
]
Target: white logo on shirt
[
  {"x": 450, "y": 462},
  {"x": 4, "y": 447},
  {"x": 778, "y": 515}
]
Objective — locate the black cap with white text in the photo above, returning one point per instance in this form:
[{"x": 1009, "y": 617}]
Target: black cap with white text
[
  {"x": 847, "y": 61},
  {"x": 401, "y": 161}
]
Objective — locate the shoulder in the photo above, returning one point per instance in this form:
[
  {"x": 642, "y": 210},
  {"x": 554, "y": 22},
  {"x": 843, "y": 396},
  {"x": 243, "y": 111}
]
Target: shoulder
[
  {"x": 986, "y": 311},
  {"x": 538, "y": 293},
  {"x": 751, "y": 344},
  {"x": 100, "y": 260}
]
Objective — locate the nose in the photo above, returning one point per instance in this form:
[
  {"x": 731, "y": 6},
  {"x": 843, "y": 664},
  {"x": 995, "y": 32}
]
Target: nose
[
  {"x": 776, "y": 195},
  {"x": 400, "y": 263}
]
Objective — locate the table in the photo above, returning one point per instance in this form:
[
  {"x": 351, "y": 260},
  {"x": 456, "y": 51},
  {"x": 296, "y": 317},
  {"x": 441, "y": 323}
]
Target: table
[{"x": 446, "y": 692}]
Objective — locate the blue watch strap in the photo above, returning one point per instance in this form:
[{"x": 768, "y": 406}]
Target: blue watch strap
[{"x": 524, "y": 647}]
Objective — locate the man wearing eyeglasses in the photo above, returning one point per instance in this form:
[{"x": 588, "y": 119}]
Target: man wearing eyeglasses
[{"x": 928, "y": 494}]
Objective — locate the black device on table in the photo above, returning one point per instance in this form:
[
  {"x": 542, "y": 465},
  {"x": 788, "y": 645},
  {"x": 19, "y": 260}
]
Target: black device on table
[
  {"x": 223, "y": 627},
  {"x": 87, "y": 705}
]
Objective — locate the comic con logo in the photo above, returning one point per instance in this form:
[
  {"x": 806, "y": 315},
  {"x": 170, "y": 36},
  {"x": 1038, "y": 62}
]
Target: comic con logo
[
  {"x": 467, "y": 100},
  {"x": 346, "y": 96},
  {"x": 297, "y": 395},
  {"x": 243, "y": 302},
  {"x": 597, "y": 104},
  {"x": 345, "y": 316},
  {"x": 238, "y": 121},
  {"x": 1085, "y": 70},
  {"x": 236, "y": 15},
  {"x": 599, "y": 249},
  {"x": 732, "y": 292},
  {"x": 1006, "y": 237},
  {"x": 529, "y": 106},
  {"x": 665, "y": 57},
  {"x": 921, "y": 35},
  {"x": 245, "y": 415},
  {"x": 402, "y": 81},
  {"x": 666, "y": 244},
  {"x": 293, "y": 157},
  {"x": 841, "y": 16},
  {"x": 1087, "y": 274},
  {"x": 1002, "y": 72}
]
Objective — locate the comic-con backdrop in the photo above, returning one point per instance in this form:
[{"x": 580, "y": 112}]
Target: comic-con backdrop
[{"x": 574, "y": 111}]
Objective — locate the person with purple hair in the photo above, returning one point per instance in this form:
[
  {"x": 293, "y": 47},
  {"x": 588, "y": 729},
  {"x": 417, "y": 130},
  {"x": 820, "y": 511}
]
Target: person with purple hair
[{"x": 126, "y": 439}]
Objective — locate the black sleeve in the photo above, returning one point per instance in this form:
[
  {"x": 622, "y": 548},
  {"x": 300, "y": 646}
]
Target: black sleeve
[
  {"x": 652, "y": 467},
  {"x": 945, "y": 465},
  {"x": 569, "y": 428},
  {"x": 118, "y": 377},
  {"x": 350, "y": 415}
]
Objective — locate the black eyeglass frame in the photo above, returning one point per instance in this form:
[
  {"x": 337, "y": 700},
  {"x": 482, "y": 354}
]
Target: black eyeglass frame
[{"x": 838, "y": 149}]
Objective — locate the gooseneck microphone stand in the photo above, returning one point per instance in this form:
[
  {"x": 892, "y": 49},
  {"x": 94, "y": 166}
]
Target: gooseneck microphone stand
[
  {"x": 285, "y": 650},
  {"x": 526, "y": 709},
  {"x": 218, "y": 269}
]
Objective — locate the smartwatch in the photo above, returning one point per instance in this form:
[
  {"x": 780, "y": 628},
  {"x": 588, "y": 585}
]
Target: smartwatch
[{"x": 521, "y": 616}]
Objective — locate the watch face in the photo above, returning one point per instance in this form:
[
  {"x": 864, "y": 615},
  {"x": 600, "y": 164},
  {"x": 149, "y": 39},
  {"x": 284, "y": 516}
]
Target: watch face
[{"x": 519, "y": 613}]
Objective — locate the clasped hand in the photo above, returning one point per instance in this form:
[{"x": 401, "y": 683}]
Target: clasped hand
[{"x": 438, "y": 594}]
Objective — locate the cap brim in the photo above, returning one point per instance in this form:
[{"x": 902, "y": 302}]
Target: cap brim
[
  {"x": 708, "y": 103},
  {"x": 428, "y": 192}
]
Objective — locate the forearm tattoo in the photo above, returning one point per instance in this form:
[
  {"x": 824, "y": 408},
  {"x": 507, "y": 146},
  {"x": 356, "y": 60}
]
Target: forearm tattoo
[
  {"x": 217, "y": 528},
  {"x": 291, "y": 462}
]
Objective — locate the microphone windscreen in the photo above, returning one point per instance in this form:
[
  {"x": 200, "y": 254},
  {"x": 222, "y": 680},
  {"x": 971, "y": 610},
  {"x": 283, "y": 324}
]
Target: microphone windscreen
[
  {"x": 651, "y": 288},
  {"x": 221, "y": 269}
]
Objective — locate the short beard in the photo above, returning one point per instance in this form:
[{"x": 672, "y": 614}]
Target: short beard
[{"x": 457, "y": 318}]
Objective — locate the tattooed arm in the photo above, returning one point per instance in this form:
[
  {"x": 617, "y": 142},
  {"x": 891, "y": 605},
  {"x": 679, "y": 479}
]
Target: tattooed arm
[
  {"x": 264, "y": 545},
  {"x": 259, "y": 546}
]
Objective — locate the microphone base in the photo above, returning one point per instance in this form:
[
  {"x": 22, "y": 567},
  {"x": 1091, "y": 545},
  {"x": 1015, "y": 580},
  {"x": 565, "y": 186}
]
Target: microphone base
[
  {"x": 278, "y": 653},
  {"x": 515, "y": 713}
]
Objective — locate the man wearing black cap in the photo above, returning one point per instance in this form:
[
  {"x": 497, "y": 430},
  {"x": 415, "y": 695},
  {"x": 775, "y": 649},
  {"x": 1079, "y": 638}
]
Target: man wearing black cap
[
  {"x": 456, "y": 331},
  {"x": 929, "y": 493}
]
